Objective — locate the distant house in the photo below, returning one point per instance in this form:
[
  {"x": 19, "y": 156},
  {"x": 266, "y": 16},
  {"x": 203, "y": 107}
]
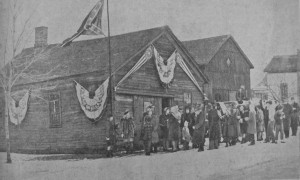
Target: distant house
[
  {"x": 282, "y": 76},
  {"x": 224, "y": 63},
  {"x": 55, "y": 121}
]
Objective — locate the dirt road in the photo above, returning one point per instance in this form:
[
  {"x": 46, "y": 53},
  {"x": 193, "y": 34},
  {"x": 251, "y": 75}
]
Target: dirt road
[{"x": 261, "y": 161}]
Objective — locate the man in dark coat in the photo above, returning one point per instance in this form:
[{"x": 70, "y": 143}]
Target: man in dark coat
[
  {"x": 164, "y": 131},
  {"x": 174, "y": 130},
  {"x": 214, "y": 128},
  {"x": 199, "y": 128},
  {"x": 147, "y": 132},
  {"x": 294, "y": 117},
  {"x": 110, "y": 135},
  {"x": 287, "y": 110}
]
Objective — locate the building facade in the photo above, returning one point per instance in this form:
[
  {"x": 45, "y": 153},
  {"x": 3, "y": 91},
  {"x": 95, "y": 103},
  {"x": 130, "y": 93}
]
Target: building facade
[
  {"x": 55, "y": 122},
  {"x": 282, "y": 77},
  {"x": 224, "y": 63}
]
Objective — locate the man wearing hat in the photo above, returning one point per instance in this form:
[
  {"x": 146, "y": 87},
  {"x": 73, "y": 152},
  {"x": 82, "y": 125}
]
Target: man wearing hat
[{"x": 127, "y": 130}]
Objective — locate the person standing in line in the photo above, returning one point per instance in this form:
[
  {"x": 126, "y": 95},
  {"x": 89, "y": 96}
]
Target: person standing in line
[
  {"x": 127, "y": 131},
  {"x": 223, "y": 121},
  {"x": 271, "y": 124},
  {"x": 147, "y": 132},
  {"x": 259, "y": 123},
  {"x": 174, "y": 130},
  {"x": 192, "y": 124},
  {"x": 279, "y": 116},
  {"x": 186, "y": 137},
  {"x": 199, "y": 128},
  {"x": 294, "y": 117},
  {"x": 214, "y": 127},
  {"x": 232, "y": 126},
  {"x": 155, "y": 137},
  {"x": 265, "y": 109},
  {"x": 287, "y": 110},
  {"x": 244, "y": 117},
  {"x": 251, "y": 127},
  {"x": 164, "y": 131},
  {"x": 110, "y": 135}
]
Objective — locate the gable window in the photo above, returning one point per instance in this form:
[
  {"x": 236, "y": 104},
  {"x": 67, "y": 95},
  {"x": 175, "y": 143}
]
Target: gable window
[
  {"x": 55, "y": 110},
  {"x": 284, "y": 91},
  {"x": 228, "y": 62}
]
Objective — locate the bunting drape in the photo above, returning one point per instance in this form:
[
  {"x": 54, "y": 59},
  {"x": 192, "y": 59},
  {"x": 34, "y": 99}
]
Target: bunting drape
[
  {"x": 92, "y": 107},
  {"x": 146, "y": 56},
  {"x": 187, "y": 71},
  {"x": 165, "y": 68},
  {"x": 18, "y": 113}
]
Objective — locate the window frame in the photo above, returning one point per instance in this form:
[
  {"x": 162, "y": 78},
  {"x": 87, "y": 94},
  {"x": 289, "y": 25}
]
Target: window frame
[{"x": 51, "y": 124}]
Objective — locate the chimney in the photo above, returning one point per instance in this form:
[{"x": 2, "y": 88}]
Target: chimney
[{"x": 41, "y": 36}]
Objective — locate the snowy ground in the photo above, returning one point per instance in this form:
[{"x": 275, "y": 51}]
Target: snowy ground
[{"x": 262, "y": 161}]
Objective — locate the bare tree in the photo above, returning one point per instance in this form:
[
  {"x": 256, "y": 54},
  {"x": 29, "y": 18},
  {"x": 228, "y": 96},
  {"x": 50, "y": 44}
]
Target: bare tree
[{"x": 13, "y": 68}]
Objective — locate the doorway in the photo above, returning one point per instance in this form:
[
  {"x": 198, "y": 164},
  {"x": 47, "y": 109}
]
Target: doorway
[{"x": 166, "y": 102}]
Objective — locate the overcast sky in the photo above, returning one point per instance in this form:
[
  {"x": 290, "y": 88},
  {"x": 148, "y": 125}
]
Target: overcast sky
[{"x": 262, "y": 28}]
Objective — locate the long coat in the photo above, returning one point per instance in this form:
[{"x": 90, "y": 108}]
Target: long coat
[
  {"x": 287, "y": 110},
  {"x": 147, "y": 129},
  {"x": 155, "y": 124},
  {"x": 174, "y": 129},
  {"x": 295, "y": 115},
  {"x": 199, "y": 132},
  {"x": 127, "y": 128},
  {"x": 109, "y": 127},
  {"x": 260, "y": 125},
  {"x": 163, "y": 123},
  {"x": 233, "y": 124},
  {"x": 214, "y": 125},
  {"x": 251, "y": 128}
]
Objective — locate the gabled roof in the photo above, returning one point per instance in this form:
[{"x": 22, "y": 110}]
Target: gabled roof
[
  {"x": 204, "y": 50},
  {"x": 90, "y": 55},
  {"x": 282, "y": 64}
]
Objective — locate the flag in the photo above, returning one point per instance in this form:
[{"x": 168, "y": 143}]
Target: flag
[{"x": 91, "y": 24}]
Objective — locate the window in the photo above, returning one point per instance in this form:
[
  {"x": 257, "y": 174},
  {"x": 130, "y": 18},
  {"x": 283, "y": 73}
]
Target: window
[
  {"x": 284, "y": 91},
  {"x": 54, "y": 109},
  {"x": 187, "y": 98},
  {"x": 218, "y": 97},
  {"x": 228, "y": 62}
]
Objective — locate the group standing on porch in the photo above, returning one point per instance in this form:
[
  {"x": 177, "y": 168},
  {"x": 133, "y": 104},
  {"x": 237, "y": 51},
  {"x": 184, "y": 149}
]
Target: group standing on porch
[{"x": 189, "y": 126}]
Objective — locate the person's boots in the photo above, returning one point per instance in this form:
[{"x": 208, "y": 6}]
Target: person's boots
[{"x": 226, "y": 144}]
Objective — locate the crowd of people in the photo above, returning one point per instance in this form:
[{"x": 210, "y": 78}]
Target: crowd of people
[{"x": 189, "y": 126}]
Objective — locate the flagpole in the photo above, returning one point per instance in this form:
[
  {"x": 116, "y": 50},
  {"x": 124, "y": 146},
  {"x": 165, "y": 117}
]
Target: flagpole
[{"x": 111, "y": 82}]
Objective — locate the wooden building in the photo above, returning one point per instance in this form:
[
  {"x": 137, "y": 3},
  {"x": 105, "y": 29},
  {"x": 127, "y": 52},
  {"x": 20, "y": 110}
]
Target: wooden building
[
  {"x": 224, "y": 63},
  {"x": 86, "y": 62}
]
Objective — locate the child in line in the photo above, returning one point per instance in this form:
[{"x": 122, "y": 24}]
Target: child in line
[{"x": 186, "y": 137}]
